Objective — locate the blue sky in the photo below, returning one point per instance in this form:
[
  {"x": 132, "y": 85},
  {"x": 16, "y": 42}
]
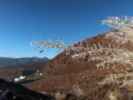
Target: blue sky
[{"x": 22, "y": 21}]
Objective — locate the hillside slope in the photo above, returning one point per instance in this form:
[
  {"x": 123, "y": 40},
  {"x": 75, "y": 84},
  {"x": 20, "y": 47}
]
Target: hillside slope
[{"x": 99, "y": 68}]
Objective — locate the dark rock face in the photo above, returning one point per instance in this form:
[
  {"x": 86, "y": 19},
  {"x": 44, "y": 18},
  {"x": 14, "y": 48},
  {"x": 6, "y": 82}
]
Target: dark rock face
[{"x": 12, "y": 91}]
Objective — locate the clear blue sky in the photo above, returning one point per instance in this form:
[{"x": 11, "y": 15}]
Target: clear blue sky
[{"x": 22, "y": 21}]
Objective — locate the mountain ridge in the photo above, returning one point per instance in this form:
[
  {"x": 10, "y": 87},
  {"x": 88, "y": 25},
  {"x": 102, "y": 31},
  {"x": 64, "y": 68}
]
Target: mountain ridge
[{"x": 15, "y": 62}]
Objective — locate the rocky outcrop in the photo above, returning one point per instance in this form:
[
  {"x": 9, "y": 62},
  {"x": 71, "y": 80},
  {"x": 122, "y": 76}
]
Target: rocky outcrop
[{"x": 12, "y": 91}]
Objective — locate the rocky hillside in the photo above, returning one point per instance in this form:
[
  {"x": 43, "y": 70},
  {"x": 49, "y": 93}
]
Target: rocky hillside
[{"x": 98, "y": 68}]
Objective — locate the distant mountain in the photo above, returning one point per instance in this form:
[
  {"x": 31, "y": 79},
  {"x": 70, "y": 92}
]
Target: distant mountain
[
  {"x": 16, "y": 62},
  {"x": 100, "y": 68},
  {"x": 14, "y": 67}
]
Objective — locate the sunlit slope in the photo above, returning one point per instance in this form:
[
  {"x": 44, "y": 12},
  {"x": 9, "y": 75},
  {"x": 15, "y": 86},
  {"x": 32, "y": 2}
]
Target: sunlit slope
[{"x": 95, "y": 66}]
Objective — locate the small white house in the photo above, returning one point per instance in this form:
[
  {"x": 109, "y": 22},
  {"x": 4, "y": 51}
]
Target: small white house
[
  {"x": 22, "y": 77},
  {"x": 40, "y": 74},
  {"x": 17, "y": 79}
]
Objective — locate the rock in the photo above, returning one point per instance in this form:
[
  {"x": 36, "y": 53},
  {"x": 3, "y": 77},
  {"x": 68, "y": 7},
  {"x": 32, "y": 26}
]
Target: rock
[{"x": 12, "y": 91}]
